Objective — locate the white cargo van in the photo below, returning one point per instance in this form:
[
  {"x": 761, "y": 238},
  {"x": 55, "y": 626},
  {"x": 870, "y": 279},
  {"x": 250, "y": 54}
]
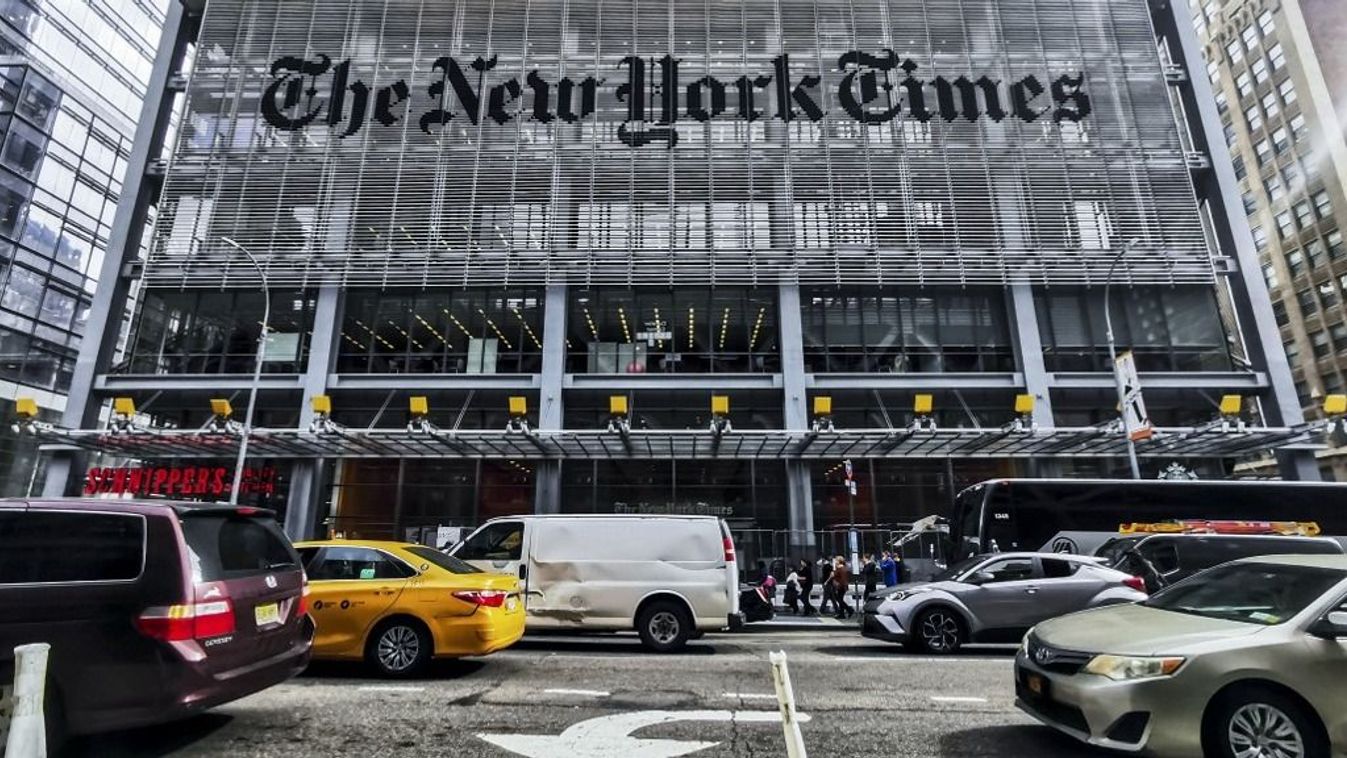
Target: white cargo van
[{"x": 670, "y": 578}]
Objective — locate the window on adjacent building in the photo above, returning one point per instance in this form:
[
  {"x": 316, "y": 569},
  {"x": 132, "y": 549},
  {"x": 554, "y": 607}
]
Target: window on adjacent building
[
  {"x": 1298, "y": 126},
  {"x": 1295, "y": 262},
  {"x": 1287, "y": 89},
  {"x": 1314, "y": 253},
  {"x": 1259, "y": 238},
  {"x": 1270, "y": 276},
  {"x": 1244, "y": 83},
  {"x": 1270, "y": 106},
  {"x": 1214, "y": 71},
  {"x": 1235, "y": 50},
  {"x": 1328, "y": 294},
  {"x": 1285, "y": 226},
  {"x": 1273, "y": 186},
  {"x": 1281, "y": 140},
  {"x": 1250, "y": 203},
  {"x": 1276, "y": 56},
  {"x": 1332, "y": 383},
  {"x": 1339, "y": 334},
  {"x": 1240, "y": 170},
  {"x": 1222, "y": 103},
  {"x": 1322, "y": 204},
  {"x": 1250, "y": 36},
  {"x": 1291, "y": 176},
  {"x": 1319, "y": 341},
  {"x": 1309, "y": 305},
  {"x": 1279, "y": 313},
  {"x": 1254, "y": 118},
  {"x": 1292, "y": 354},
  {"x": 1335, "y": 247},
  {"x": 1259, "y": 70},
  {"x": 1229, "y": 132},
  {"x": 1303, "y": 215},
  {"x": 1263, "y": 149},
  {"x": 1265, "y": 23}
]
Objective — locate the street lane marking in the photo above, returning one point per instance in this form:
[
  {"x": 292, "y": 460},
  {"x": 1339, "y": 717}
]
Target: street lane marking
[
  {"x": 610, "y": 736},
  {"x": 391, "y": 688},
  {"x": 916, "y": 659},
  {"x": 957, "y": 699},
  {"x": 750, "y": 695},
  {"x": 585, "y": 693}
]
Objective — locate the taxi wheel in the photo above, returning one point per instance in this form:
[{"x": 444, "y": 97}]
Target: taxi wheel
[
  {"x": 938, "y": 630},
  {"x": 664, "y": 627},
  {"x": 399, "y": 647},
  {"x": 1256, "y": 721}
]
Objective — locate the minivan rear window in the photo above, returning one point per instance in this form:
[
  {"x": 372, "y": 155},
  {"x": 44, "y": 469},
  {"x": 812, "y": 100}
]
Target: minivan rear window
[
  {"x": 45, "y": 547},
  {"x": 229, "y": 546}
]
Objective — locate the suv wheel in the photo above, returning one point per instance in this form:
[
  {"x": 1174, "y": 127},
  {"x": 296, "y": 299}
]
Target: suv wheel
[
  {"x": 1257, "y": 722},
  {"x": 938, "y": 630},
  {"x": 399, "y": 647},
  {"x": 664, "y": 627}
]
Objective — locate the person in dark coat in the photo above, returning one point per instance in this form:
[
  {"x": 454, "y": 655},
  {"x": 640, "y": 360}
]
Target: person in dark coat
[
  {"x": 841, "y": 581},
  {"x": 825, "y": 572},
  {"x": 870, "y": 575},
  {"x": 806, "y": 573}
]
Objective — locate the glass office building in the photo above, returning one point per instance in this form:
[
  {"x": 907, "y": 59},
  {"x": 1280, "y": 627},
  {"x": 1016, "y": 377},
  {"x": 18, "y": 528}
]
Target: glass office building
[
  {"x": 569, "y": 225},
  {"x": 72, "y": 76}
]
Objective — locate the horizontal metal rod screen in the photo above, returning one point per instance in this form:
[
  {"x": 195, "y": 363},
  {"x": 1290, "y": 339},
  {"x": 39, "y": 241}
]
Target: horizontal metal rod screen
[{"x": 633, "y": 142}]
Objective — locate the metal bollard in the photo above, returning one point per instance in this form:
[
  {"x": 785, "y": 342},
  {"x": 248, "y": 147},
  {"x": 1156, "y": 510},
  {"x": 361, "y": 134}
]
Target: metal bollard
[
  {"x": 785, "y": 698},
  {"x": 27, "y": 728}
]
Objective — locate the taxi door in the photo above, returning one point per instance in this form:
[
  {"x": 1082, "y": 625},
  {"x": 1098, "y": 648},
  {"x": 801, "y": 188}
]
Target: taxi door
[{"x": 350, "y": 588}]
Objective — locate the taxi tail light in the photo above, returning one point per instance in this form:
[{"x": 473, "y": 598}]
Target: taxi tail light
[
  {"x": 486, "y": 598},
  {"x": 211, "y": 614},
  {"x": 1136, "y": 583},
  {"x": 728, "y": 543}
]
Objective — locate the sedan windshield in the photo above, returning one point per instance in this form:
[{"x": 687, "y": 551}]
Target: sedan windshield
[
  {"x": 1254, "y": 593},
  {"x": 954, "y": 571}
]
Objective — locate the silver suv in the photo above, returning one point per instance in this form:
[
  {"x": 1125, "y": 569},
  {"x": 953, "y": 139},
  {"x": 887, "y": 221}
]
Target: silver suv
[{"x": 993, "y": 598}]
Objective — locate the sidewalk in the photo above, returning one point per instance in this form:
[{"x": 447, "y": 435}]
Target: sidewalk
[{"x": 790, "y": 622}]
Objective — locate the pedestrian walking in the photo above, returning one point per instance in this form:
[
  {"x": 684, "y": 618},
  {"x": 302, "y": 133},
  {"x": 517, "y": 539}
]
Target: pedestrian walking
[
  {"x": 793, "y": 591},
  {"x": 806, "y": 574},
  {"x": 890, "y": 568},
  {"x": 870, "y": 575},
  {"x": 825, "y": 572},
  {"x": 841, "y": 581}
]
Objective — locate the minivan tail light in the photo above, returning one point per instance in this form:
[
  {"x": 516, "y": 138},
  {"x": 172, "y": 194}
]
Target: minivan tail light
[
  {"x": 1136, "y": 583},
  {"x": 486, "y": 598},
  {"x": 190, "y": 621},
  {"x": 303, "y": 597},
  {"x": 728, "y": 543}
]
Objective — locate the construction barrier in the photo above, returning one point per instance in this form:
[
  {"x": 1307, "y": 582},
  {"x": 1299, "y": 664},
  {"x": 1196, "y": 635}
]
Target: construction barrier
[{"x": 22, "y": 724}]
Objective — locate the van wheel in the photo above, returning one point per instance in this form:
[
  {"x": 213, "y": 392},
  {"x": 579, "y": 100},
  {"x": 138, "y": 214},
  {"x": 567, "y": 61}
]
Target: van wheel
[
  {"x": 664, "y": 627},
  {"x": 938, "y": 630},
  {"x": 399, "y": 647},
  {"x": 1258, "y": 721}
]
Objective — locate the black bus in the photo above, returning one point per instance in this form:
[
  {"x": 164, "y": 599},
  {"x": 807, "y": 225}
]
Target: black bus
[{"x": 1078, "y": 515}]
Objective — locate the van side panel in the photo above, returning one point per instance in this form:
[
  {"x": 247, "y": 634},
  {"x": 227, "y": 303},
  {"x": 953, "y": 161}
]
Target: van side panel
[{"x": 593, "y": 572}]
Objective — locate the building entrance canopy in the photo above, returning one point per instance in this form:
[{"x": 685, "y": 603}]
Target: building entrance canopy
[{"x": 1088, "y": 442}]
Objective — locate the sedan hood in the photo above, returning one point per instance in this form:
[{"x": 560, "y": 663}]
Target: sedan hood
[{"x": 1137, "y": 630}]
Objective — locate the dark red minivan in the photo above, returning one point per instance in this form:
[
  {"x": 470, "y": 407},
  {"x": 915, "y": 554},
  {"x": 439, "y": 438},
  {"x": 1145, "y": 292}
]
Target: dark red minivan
[{"x": 153, "y": 610}]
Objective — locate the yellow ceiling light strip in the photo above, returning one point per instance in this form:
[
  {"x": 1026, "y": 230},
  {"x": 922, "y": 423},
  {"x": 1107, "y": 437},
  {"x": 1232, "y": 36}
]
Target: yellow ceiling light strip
[
  {"x": 457, "y": 323},
  {"x": 527, "y": 329},
  {"x": 626, "y": 331},
  {"x": 724, "y": 326},
  {"x": 496, "y": 329},
  {"x": 692, "y": 327},
  {"x": 757, "y": 327},
  {"x": 594, "y": 330},
  {"x": 433, "y": 330}
]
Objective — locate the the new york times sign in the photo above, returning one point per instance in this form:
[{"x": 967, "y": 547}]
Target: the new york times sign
[{"x": 873, "y": 89}]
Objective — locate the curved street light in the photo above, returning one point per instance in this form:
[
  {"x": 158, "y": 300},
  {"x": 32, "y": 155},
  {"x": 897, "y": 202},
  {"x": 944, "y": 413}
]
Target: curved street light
[
  {"x": 257, "y": 371},
  {"x": 1113, "y": 356}
]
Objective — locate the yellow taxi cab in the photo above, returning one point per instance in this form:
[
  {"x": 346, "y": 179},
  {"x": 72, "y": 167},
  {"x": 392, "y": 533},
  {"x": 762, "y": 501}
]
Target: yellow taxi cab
[{"x": 396, "y": 605}]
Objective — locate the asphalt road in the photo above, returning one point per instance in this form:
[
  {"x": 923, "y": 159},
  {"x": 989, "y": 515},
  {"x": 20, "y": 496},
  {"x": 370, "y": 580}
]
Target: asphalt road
[{"x": 861, "y": 699}]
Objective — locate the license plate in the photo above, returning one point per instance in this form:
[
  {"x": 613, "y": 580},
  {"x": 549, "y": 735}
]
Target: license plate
[{"x": 267, "y": 614}]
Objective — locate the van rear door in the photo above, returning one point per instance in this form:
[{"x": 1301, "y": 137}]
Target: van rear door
[
  {"x": 731, "y": 568},
  {"x": 498, "y": 547},
  {"x": 241, "y": 563}
]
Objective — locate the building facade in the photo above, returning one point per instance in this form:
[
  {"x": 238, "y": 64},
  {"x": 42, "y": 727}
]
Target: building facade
[
  {"x": 72, "y": 76},
  {"x": 676, "y": 257},
  {"x": 1271, "y": 64}
]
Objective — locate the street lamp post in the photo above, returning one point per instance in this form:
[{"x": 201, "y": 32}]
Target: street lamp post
[
  {"x": 257, "y": 372},
  {"x": 1113, "y": 359}
]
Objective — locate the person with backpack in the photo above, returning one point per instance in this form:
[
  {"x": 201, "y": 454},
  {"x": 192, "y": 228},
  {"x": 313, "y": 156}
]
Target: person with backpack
[{"x": 825, "y": 572}]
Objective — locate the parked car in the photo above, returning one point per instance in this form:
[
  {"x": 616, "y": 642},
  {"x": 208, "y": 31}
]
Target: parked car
[
  {"x": 1164, "y": 559},
  {"x": 993, "y": 598},
  {"x": 669, "y": 577},
  {"x": 154, "y": 610},
  {"x": 1246, "y": 659},
  {"x": 396, "y": 605}
]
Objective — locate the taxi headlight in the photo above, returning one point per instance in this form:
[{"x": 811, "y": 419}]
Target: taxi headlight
[{"x": 1124, "y": 668}]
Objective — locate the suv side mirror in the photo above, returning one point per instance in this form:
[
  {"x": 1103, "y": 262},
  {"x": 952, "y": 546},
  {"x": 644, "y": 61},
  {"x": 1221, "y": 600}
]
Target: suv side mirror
[
  {"x": 1331, "y": 627},
  {"x": 980, "y": 578}
]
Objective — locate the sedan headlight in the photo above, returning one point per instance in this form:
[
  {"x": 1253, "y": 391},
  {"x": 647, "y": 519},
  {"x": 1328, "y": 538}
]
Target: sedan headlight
[
  {"x": 1124, "y": 668},
  {"x": 905, "y": 594}
]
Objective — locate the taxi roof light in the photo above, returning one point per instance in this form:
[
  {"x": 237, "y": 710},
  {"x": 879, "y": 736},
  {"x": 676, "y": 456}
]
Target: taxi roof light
[{"x": 1202, "y": 526}]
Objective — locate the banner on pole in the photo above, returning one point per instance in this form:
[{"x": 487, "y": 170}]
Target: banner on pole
[{"x": 1135, "y": 418}]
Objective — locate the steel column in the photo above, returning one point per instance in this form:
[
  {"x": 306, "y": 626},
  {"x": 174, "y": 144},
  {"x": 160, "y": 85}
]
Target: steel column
[
  {"x": 547, "y": 475},
  {"x": 306, "y": 475},
  {"x": 799, "y": 490}
]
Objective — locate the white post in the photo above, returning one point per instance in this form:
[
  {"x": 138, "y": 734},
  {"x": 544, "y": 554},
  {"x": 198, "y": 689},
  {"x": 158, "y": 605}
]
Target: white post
[
  {"x": 27, "y": 728},
  {"x": 785, "y": 698}
]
